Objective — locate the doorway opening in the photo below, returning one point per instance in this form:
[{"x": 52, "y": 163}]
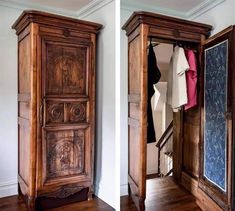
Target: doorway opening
[
  {"x": 163, "y": 153},
  {"x": 160, "y": 149}
]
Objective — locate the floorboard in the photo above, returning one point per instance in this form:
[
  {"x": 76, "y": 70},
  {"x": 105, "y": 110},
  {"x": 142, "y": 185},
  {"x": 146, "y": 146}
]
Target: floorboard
[
  {"x": 13, "y": 203},
  {"x": 163, "y": 194}
]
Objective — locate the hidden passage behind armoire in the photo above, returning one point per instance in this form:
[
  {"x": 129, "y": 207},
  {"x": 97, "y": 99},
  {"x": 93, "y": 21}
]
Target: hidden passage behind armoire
[
  {"x": 203, "y": 137},
  {"x": 56, "y": 107}
]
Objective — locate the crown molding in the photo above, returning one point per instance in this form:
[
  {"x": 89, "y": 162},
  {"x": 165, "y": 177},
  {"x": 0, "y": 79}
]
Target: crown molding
[
  {"x": 92, "y": 7},
  {"x": 81, "y": 13},
  {"x": 203, "y": 8},
  {"x": 143, "y": 7},
  {"x": 193, "y": 13},
  {"x": 24, "y": 6}
]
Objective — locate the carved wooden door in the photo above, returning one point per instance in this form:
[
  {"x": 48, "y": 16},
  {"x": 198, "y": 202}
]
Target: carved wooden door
[
  {"x": 216, "y": 127},
  {"x": 67, "y": 108}
]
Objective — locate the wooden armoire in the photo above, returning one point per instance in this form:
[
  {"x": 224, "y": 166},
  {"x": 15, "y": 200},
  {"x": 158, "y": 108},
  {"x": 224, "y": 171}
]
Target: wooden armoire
[
  {"x": 56, "y": 107},
  {"x": 203, "y": 137}
]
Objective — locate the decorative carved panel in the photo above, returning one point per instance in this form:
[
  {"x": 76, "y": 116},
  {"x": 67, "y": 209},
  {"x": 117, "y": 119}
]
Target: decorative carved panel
[
  {"x": 77, "y": 112},
  {"x": 55, "y": 112},
  {"x": 65, "y": 69},
  {"x": 65, "y": 112},
  {"x": 64, "y": 153},
  {"x": 65, "y": 191}
]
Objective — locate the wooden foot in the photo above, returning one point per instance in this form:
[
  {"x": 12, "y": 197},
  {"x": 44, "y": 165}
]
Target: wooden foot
[
  {"x": 141, "y": 204},
  {"x": 20, "y": 195},
  {"x": 90, "y": 194},
  {"x": 129, "y": 190},
  {"x": 31, "y": 204}
]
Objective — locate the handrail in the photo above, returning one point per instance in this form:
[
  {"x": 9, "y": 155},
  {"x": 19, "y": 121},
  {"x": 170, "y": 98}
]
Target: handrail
[
  {"x": 168, "y": 137},
  {"x": 170, "y": 126}
]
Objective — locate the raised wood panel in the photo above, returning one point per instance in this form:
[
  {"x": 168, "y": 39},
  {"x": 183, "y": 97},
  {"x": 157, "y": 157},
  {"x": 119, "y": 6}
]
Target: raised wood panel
[
  {"x": 191, "y": 134},
  {"x": 77, "y": 112},
  {"x": 134, "y": 153},
  {"x": 24, "y": 65},
  {"x": 54, "y": 112},
  {"x": 66, "y": 159},
  {"x": 134, "y": 67},
  {"x": 66, "y": 68},
  {"x": 65, "y": 112},
  {"x": 24, "y": 152},
  {"x": 65, "y": 153}
]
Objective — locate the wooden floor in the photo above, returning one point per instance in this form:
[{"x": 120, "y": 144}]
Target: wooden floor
[
  {"x": 14, "y": 204},
  {"x": 163, "y": 195}
]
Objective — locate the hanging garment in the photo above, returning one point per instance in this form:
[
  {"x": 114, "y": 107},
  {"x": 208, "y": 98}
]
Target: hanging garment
[
  {"x": 155, "y": 98},
  {"x": 191, "y": 79},
  {"x": 177, "y": 89},
  {"x": 154, "y": 76},
  {"x": 158, "y": 102}
]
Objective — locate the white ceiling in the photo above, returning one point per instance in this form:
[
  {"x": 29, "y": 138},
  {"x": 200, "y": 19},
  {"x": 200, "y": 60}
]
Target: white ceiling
[
  {"x": 72, "y": 8},
  {"x": 73, "y": 5},
  {"x": 180, "y": 8},
  {"x": 187, "y": 9},
  {"x": 178, "y": 5}
]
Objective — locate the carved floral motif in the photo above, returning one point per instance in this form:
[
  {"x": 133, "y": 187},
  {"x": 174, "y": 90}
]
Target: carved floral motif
[
  {"x": 65, "y": 153},
  {"x": 78, "y": 112},
  {"x": 66, "y": 70},
  {"x": 55, "y": 112}
]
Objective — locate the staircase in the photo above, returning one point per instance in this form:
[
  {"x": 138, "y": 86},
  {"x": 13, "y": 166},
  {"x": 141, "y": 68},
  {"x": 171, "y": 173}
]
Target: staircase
[{"x": 165, "y": 155}]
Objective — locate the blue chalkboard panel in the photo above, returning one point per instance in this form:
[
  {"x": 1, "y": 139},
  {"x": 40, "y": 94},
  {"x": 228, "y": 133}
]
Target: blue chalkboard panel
[{"x": 215, "y": 124}]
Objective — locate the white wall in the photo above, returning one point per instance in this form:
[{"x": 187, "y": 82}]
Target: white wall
[
  {"x": 105, "y": 148},
  {"x": 219, "y": 17},
  {"x": 105, "y": 153},
  {"x": 8, "y": 102},
  {"x": 124, "y": 106}
]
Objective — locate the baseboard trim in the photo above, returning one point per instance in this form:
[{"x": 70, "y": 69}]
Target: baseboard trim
[
  {"x": 105, "y": 193},
  {"x": 124, "y": 190},
  {"x": 202, "y": 199},
  {"x": 8, "y": 188}
]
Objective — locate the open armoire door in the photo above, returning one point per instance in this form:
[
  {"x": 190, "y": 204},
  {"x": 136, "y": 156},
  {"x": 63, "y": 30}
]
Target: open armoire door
[{"x": 217, "y": 116}]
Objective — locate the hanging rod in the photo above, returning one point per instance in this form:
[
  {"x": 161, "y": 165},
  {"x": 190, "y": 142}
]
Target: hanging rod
[{"x": 157, "y": 41}]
